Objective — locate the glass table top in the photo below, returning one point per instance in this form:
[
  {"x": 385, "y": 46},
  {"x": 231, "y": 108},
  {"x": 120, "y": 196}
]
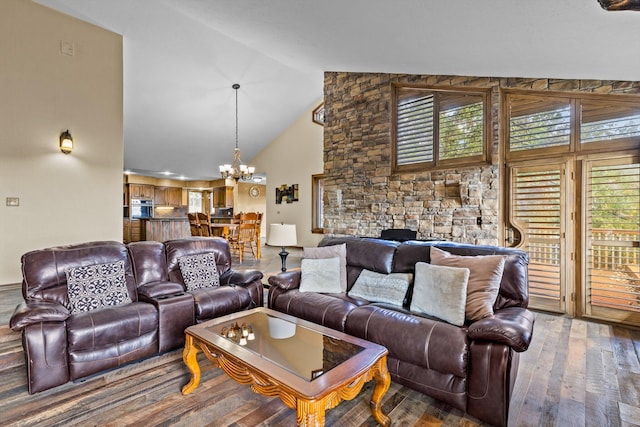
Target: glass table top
[{"x": 302, "y": 351}]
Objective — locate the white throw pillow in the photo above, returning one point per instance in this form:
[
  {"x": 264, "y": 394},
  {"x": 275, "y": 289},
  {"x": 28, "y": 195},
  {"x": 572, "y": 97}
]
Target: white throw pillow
[
  {"x": 331, "y": 251},
  {"x": 320, "y": 275},
  {"x": 378, "y": 287},
  {"x": 199, "y": 271},
  {"x": 484, "y": 279},
  {"x": 96, "y": 286},
  {"x": 440, "y": 292}
]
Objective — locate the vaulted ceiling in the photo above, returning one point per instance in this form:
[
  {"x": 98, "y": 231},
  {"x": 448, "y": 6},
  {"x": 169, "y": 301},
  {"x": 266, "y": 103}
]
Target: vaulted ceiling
[{"x": 181, "y": 58}]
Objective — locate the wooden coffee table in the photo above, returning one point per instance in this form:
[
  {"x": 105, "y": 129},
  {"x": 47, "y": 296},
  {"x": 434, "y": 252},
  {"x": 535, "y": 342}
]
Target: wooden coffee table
[{"x": 309, "y": 367}]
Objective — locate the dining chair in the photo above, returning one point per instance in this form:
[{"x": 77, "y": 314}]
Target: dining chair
[
  {"x": 194, "y": 225},
  {"x": 205, "y": 224}
]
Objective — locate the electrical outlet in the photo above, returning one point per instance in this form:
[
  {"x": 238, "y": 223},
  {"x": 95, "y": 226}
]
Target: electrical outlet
[{"x": 13, "y": 201}]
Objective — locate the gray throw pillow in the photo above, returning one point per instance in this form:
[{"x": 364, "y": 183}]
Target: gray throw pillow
[
  {"x": 96, "y": 286},
  {"x": 440, "y": 292},
  {"x": 199, "y": 271},
  {"x": 378, "y": 287},
  {"x": 320, "y": 275},
  {"x": 484, "y": 279},
  {"x": 332, "y": 251}
]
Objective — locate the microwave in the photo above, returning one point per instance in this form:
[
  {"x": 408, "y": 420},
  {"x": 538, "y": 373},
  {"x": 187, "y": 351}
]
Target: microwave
[{"x": 141, "y": 208}]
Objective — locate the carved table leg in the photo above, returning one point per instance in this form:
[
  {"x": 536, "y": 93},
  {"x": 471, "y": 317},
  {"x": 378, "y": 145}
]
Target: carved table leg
[
  {"x": 310, "y": 413},
  {"x": 189, "y": 357},
  {"x": 383, "y": 381}
]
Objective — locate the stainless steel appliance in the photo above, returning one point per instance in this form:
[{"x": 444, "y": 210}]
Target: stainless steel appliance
[{"x": 141, "y": 208}]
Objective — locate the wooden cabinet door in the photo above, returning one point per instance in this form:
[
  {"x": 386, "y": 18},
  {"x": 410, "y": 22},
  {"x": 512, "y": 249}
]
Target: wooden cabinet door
[
  {"x": 147, "y": 191},
  {"x": 135, "y": 191},
  {"x": 160, "y": 196},
  {"x": 126, "y": 231},
  {"x": 135, "y": 233},
  {"x": 174, "y": 196},
  {"x": 228, "y": 197},
  {"x": 222, "y": 197}
]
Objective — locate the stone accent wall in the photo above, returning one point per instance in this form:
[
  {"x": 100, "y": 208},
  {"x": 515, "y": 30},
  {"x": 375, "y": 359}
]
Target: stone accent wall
[{"x": 362, "y": 197}]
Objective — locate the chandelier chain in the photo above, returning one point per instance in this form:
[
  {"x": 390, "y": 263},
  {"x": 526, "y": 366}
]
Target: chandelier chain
[{"x": 237, "y": 170}]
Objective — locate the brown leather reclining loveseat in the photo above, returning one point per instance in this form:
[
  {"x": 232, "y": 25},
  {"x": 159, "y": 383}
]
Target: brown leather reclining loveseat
[
  {"x": 471, "y": 367},
  {"x": 61, "y": 346}
]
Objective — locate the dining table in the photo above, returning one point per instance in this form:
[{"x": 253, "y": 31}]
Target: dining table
[{"x": 226, "y": 228}]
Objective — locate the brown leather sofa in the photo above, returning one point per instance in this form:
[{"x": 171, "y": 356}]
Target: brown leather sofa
[
  {"x": 61, "y": 347},
  {"x": 472, "y": 368}
]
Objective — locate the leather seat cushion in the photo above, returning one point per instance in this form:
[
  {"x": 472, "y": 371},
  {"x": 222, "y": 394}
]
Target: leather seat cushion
[
  {"x": 446, "y": 387},
  {"x": 330, "y": 310},
  {"x": 110, "y": 337},
  {"x": 421, "y": 341},
  {"x": 221, "y": 300}
]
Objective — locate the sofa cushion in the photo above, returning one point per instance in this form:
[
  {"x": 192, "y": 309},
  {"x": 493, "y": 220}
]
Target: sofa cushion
[
  {"x": 199, "y": 271},
  {"x": 320, "y": 275},
  {"x": 339, "y": 251},
  {"x": 107, "y": 338},
  {"x": 485, "y": 274},
  {"x": 421, "y": 341},
  {"x": 96, "y": 286},
  {"x": 219, "y": 301},
  {"x": 330, "y": 310},
  {"x": 378, "y": 287},
  {"x": 441, "y": 292}
]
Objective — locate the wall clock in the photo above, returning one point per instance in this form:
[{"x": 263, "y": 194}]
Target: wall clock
[{"x": 254, "y": 192}]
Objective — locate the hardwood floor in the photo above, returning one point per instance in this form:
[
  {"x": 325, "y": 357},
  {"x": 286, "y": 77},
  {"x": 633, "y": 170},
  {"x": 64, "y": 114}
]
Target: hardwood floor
[{"x": 575, "y": 373}]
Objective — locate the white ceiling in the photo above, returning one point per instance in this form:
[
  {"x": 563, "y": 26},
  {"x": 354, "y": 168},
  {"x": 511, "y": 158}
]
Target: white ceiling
[{"x": 182, "y": 56}]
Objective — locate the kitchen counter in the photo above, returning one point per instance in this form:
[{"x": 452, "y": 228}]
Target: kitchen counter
[{"x": 162, "y": 229}]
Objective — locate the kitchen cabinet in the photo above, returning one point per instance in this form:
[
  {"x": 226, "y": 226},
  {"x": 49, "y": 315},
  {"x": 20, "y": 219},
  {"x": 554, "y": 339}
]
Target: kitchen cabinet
[
  {"x": 160, "y": 196},
  {"x": 222, "y": 197},
  {"x": 167, "y": 196},
  {"x": 141, "y": 191},
  {"x": 126, "y": 230},
  {"x": 135, "y": 234},
  {"x": 174, "y": 196}
]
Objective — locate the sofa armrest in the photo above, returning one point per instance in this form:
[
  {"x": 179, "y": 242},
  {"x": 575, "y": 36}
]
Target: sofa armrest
[
  {"x": 28, "y": 313},
  {"x": 155, "y": 290},
  {"x": 287, "y": 280},
  {"x": 512, "y": 326},
  {"x": 240, "y": 277}
]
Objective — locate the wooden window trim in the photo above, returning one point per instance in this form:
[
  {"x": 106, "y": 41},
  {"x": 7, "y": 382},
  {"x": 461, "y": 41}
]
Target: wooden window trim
[{"x": 314, "y": 204}]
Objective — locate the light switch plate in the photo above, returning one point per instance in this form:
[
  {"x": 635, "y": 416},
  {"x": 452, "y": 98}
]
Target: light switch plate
[{"x": 13, "y": 201}]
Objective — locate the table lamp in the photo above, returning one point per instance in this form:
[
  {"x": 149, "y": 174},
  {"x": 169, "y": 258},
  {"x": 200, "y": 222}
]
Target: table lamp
[{"x": 282, "y": 235}]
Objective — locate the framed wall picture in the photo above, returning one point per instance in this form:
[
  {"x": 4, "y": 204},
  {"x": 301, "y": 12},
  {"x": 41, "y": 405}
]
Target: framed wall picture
[{"x": 287, "y": 193}]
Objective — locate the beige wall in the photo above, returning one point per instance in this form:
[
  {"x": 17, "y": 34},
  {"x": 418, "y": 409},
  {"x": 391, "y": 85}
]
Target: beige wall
[
  {"x": 63, "y": 198},
  {"x": 292, "y": 158},
  {"x": 243, "y": 202}
]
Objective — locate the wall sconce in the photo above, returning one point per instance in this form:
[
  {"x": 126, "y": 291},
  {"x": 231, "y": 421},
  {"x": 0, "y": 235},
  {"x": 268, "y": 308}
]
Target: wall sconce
[{"x": 66, "y": 142}]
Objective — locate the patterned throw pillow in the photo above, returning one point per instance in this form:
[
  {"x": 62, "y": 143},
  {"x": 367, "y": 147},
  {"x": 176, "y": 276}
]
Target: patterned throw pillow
[
  {"x": 96, "y": 286},
  {"x": 378, "y": 287},
  {"x": 199, "y": 271}
]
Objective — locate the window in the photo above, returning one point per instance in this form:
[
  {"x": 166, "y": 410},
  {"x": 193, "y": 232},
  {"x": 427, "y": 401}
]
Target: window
[
  {"x": 554, "y": 123},
  {"x": 437, "y": 127},
  {"x": 195, "y": 201},
  {"x": 317, "y": 196}
]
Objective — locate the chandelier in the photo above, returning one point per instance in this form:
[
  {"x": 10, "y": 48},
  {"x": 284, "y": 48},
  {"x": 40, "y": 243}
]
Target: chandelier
[{"x": 237, "y": 170}]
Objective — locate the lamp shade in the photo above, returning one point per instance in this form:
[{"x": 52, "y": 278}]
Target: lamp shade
[{"x": 282, "y": 235}]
